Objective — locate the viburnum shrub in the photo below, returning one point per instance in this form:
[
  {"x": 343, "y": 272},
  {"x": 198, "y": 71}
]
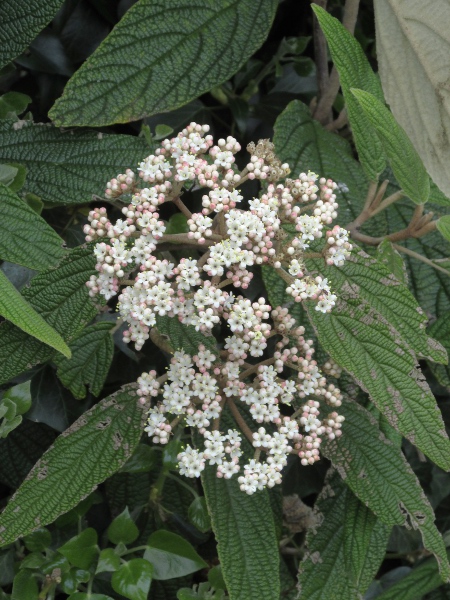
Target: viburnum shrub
[{"x": 286, "y": 390}]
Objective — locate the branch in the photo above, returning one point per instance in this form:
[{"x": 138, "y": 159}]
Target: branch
[{"x": 418, "y": 256}]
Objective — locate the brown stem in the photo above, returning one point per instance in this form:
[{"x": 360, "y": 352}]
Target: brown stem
[
  {"x": 254, "y": 368},
  {"x": 339, "y": 122},
  {"x": 321, "y": 59},
  {"x": 160, "y": 341},
  {"x": 182, "y": 206},
  {"x": 418, "y": 256},
  {"x": 240, "y": 421}
]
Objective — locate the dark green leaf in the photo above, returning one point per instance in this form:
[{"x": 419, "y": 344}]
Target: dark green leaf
[
  {"x": 24, "y": 586},
  {"x": 133, "y": 579},
  {"x": 91, "y": 450},
  {"x": 20, "y": 313},
  {"x": 7, "y": 567},
  {"x": 13, "y": 103},
  {"x": 184, "y": 336},
  {"x": 88, "y": 596},
  {"x": 7, "y": 174},
  {"x": 142, "y": 460},
  {"x": 198, "y": 514},
  {"x": 68, "y": 167},
  {"x": 165, "y": 66},
  {"x": 25, "y": 238},
  {"x": 403, "y": 158},
  {"x": 108, "y": 561},
  {"x": 440, "y": 330},
  {"x": 355, "y": 72},
  {"x": 123, "y": 529},
  {"x": 38, "y": 541},
  {"x": 92, "y": 352},
  {"x": 375, "y": 468},
  {"x": 171, "y": 556},
  {"x": 71, "y": 580},
  {"x": 60, "y": 296},
  {"x": 81, "y": 551},
  {"x": 345, "y": 550}
]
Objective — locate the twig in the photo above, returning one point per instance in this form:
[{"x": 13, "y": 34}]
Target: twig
[
  {"x": 240, "y": 421},
  {"x": 418, "y": 256},
  {"x": 182, "y": 206},
  {"x": 321, "y": 60}
]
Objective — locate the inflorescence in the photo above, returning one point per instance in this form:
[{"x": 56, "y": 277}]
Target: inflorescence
[{"x": 229, "y": 242}]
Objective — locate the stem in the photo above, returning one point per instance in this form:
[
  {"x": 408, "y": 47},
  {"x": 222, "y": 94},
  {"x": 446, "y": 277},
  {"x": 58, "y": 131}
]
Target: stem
[
  {"x": 182, "y": 206},
  {"x": 240, "y": 421},
  {"x": 135, "y": 549},
  {"x": 418, "y": 256},
  {"x": 160, "y": 341},
  {"x": 183, "y": 484},
  {"x": 321, "y": 58},
  {"x": 254, "y": 368},
  {"x": 388, "y": 201}
]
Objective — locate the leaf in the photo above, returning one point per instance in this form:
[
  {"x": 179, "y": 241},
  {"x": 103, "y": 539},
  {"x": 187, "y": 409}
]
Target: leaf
[
  {"x": 361, "y": 341},
  {"x": 24, "y": 586},
  {"x": 345, "y": 552},
  {"x": 184, "y": 336},
  {"x": 142, "y": 460},
  {"x": 403, "y": 158},
  {"x": 108, "y": 561},
  {"x": 443, "y": 226},
  {"x": 92, "y": 353},
  {"x": 38, "y": 541},
  {"x": 304, "y": 144},
  {"x": 166, "y": 66},
  {"x": 133, "y": 579},
  {"x": 22, "y": 20},
  {"x": 88, "y": 596},
  {"x": 198, "y": 514},
  {"x": 440, "y": 330},
  {"x": 72, "y": 579},
  {"x": 68, "y": 167},
  {"x": 422, "y": 580},
  {"x": 19, "y": 312},
  {"x": 171, "y": 556},
  {"x": 246, "y": 539},
  {"x": 354, "y": 72},
  {"x": 392, "y": 259},
  {"x": 20, "y": 396},
  {"x": 377, "y": 472},
  {"x": 89, "y": 452},
  {"x": 13, "y": 104},
  {"x": 60, "y": 296},
  {"x": 82, "y": 550},
  {"x": 413, "y": 42},
  {"x": 7, "y": 174},
  {"x": 123, "y": 529},
  {"x": 25, "y": 238}
]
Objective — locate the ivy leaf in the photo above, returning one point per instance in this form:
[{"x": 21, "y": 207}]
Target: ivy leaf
[
  {"x": 171, "y": 556},
  {"x": 92, "y": 352},
  {"x": 86, "y": 454},
  {"x": 403, "y": 158},
  {"x": 245, "y": 532},
  {"x": 24, "y": 586},
  {"x": 19, "y": 312},
  {"x": 108, "y": 561},
  {"x": 68, "y": 167},
  {"x": 377, "y": 472},
  {"x": 60, "y": 296},
  {"x": 354, "y": 72},
  {"x": 25, "y": 238},
  {"x": 22, "y": 20},
  {"x": 198, "y": 514},
  {"x": 123, "y": 529},
  {"x": 166, "y": 66},
  {"x": 81, "y": 550},
  {"x": 133, "y": 579},
  {"x": 345, "y": 551}
]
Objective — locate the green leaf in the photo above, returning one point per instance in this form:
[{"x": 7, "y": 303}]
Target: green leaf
[
  {"x": 184, "y": 337},
  {"x": 422, "y": 580},
  {"x": 171, "y": 556},
  {"x": 345, "y": 551},
  {"x": 13, "y": 103},
  {"x": 304, "y": 144},
  {"x": 38, "y": 541},
  {"x": 376, "y": 470},
  {"x": 123, "y": 529},
  {"x": 245, "y": 532},
  {"x": 354, "y": 72},
  {"x": 25, "y": 238},
  {"x": 68, "y": 167},
  {"x": 7, "y": 174},
  {"x": 133, "y": 579},
  {"x": 392, "y": 259},
  {"x": 92, "y": 353},
  {"x": 108, "y": 561},
  {"x": 88, "y": 596},
  {"x": 24, "y": 586},
  {"x": 165, "y": 66},
  {"x": 81, "y": 551},
  {"x": 71, "y": 580},
  {"x": 91, "y": 450},
  {"x": 440, "y": 330},
  {"x": 403, "y": 158},
  {"x": 60, "y": 296},
  {"x": 22, "y": 20},
  {"x": 19, "y": 312},
  {"x": 21, "y": 397},
  {"x": 361, "y": 341},
  {"x": 198, "y": 514},
  {"x": 142, "y": 460},
  {"x": 443, "y": 226}
]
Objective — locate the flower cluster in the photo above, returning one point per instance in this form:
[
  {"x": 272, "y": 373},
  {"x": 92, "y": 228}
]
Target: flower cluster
[{"x": 277, "y": 230}]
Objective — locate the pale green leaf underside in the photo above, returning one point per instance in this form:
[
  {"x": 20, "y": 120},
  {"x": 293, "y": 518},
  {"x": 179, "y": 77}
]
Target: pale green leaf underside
[
  {"x": 354, "y": 72},
  {"x": 245, "y": 532},
  {"x": 25, "y": 238},
  {"x": 91, "y": 450},
  {"x": 403, "y": 158},
  {"x": 161, "y": 55},
  {"x": 346, "y": 549},
  {"x": 413, "y": 44},
  {"x": 422, "y": 580},
  {"x": 377, "y": 472},
  {"x": 359, "y": 339},
  {"x": 68, "y": 167},
  {"x": 22, "y": 20},
  {"x": 92, "y": 352},
  {"x": 61, "y": 297},
  {"x": 20, "y": 313}
]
